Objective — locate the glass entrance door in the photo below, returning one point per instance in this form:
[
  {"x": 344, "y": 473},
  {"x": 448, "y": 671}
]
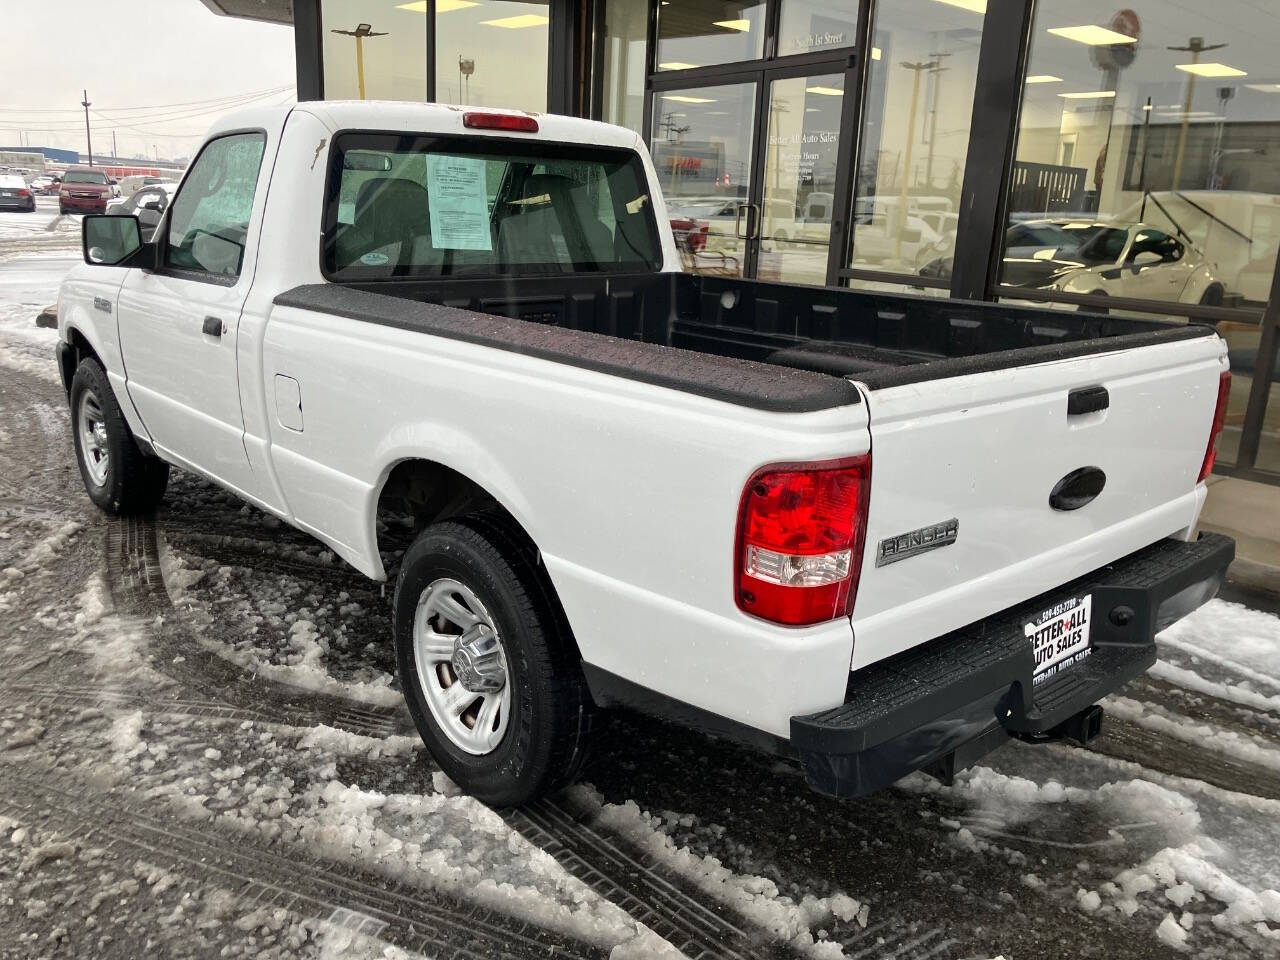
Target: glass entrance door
[
  {"x": 703, "y": 142},
  {"x": 749, "y": 173},
  {"x": 798, "y": 182}
]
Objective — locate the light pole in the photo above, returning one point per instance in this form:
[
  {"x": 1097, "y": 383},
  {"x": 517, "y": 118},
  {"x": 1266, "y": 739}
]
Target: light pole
[
  {"x": 1195, "y": 46},
  {"x": 466, "y": 67},
  {"x": 917, "y": 69},
  {"x": 88, "y": 137},
  {"x": 361, "y": 31}
]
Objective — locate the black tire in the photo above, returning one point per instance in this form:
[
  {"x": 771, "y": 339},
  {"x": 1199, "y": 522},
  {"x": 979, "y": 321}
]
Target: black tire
[
  {"x": 134, "y": 482},
  {"x": 1213, "y": 296},
  {"x": 548, "y": 732}
]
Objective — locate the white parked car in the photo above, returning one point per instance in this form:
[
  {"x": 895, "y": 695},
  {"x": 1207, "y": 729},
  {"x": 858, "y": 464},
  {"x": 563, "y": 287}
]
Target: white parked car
[
  {"x": 872, "y": 534},
  {"x": 1136, "y": 261}
]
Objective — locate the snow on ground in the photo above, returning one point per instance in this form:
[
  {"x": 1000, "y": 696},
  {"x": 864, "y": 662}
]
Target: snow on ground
[
  {"x": 1229, "y": 651},
  {"x": 35, "y": 254}
]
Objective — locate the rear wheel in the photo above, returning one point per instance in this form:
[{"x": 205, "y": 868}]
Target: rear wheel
[
  {"x": 117, "y": 475},
  {"x": 487, "y": 664}
]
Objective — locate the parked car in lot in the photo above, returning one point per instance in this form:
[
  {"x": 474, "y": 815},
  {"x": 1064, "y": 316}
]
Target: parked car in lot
[
  {"x": 15, "y": 194},
  {"x": 870, "y": 533},
  {"x": 147, "y": 204},
  {"x": 1135, "y": 260},
  {"x": 84, "y": 190},
  {"x": 130, "y": 185}
]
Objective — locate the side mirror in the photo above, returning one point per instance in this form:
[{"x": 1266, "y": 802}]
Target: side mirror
[
  {"x": 152, "y": 205},
  {"x": 1146, "y": 258},
  {"x": 110, "y": 241}
]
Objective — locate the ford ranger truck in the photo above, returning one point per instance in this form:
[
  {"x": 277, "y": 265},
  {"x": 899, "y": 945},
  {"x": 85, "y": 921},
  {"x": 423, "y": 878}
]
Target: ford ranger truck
[{"x": 870, "y": 533}]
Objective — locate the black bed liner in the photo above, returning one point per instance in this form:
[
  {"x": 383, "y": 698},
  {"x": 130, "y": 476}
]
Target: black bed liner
[
  {"x": 767, "y": 346},
  {"x": 743, "y": 382}
]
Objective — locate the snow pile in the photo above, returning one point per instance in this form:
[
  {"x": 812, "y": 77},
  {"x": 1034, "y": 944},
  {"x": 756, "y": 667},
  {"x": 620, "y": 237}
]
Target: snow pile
[
  {"x": 756, "y": 898},
  {"x": 347, "y": 744},
  {"x": 1231, "y": 641}
]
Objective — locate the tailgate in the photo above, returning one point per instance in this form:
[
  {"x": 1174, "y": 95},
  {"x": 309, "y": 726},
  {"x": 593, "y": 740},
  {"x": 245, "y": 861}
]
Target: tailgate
[{"x": 986, "y": 450}]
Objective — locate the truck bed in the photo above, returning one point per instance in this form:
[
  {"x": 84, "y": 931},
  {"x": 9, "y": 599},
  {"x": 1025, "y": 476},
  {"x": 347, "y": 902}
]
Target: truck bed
[{"x": 880, "y": 340}]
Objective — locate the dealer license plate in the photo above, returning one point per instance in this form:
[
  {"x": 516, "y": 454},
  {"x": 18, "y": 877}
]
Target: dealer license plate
[
  {"x": 6, "y": 193},
  {"x": 1059, "y": 636}
]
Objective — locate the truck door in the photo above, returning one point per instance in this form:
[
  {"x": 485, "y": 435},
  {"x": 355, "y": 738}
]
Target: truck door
[{"x": 179, "y": 323}]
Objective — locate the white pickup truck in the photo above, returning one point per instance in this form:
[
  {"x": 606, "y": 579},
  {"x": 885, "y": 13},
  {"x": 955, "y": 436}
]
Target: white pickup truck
[{"x": 873, "y": 534}]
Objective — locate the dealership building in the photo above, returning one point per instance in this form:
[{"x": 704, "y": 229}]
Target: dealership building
[{"x": 1079, "y": 154}]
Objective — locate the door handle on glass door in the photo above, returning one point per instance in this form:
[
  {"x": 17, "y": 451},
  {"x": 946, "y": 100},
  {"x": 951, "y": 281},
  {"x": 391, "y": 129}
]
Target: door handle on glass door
[{"x": 212, "y": 327}]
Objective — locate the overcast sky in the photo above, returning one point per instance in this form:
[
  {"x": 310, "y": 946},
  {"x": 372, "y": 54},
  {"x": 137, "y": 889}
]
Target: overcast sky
[{"x": 158, "y": 72}]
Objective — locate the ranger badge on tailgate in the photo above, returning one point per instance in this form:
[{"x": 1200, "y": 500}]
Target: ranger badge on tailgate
[{"x": 905, "y": 545}]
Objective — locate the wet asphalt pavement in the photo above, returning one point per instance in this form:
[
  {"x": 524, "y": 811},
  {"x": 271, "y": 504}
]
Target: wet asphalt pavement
[{"x": 158, "y": 796}]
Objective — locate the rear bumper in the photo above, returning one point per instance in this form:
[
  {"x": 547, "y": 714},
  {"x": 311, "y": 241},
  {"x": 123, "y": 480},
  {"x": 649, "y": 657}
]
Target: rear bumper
[{"x": 949, "y": 701}]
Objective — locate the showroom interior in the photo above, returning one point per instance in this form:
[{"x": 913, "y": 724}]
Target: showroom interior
[{"x": 1099, "y": 155}]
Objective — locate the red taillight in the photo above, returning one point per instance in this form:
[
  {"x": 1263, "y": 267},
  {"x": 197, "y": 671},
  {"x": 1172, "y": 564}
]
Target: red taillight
[
  {"x": 500, "y": 121},
  {"x": 24, "y": 193},
  {"x": 800, "y": 537},
  {"x": 1219, "y": 420}
]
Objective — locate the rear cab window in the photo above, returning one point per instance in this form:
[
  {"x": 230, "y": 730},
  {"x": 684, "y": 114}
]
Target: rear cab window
[{"x": 418, "y": 207}]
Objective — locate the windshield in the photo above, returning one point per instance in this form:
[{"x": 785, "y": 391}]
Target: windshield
[
  {"x": 85, "y": 176},
  {"x": 417, "y": 206},
  {"x": 1104, "y": 246}
]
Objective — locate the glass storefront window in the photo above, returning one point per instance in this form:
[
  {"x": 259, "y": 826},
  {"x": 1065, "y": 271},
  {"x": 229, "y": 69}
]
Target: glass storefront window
[
  {"x": 799, "y": 178},
  {"x": 1145, "y": 164},
  {"x": 624, "y": 35},
  {"x": 389, "y": 61},
  {"x": 915, "y": 136},
  {"x": 492, "y": 53},
  {"x": 698, "y": 33},
  {"x": 1269, "y": 447},
  {"x": 808, "y": 25},
  {"x": 702, "y": 145}
]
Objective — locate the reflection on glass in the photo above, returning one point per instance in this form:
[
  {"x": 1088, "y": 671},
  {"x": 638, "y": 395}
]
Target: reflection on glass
[
  {"x": 696, "y": 33},
  {"x": 1146, "y": 136},
  {"x": 807, "y": 25},
  {"x": 624, "y": 35},
  {"x": 1269, "y": 448},
  {"x": 492, "y": 53},
  {"x": 1243, "y": 341},
  {"x": 800, "y": 178},
  {"x": 702, "y": 145},
  {"x": 392, "y": 61},
  {"x": 915, "y": 136}
]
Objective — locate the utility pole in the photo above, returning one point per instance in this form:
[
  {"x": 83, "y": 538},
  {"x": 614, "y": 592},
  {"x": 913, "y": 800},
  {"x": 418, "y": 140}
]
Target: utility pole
[
  {"x": 361, "y": 31},
  {"x": 114, "y": 151},
  {"x": 88, "y": 137},
  {"x": 1195, "y": 46}
]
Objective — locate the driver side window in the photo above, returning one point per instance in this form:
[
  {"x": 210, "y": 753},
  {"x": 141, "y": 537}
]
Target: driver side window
[{"x": 209, "y": 221}]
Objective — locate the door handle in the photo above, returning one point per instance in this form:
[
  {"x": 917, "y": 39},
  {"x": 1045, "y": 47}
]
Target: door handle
[
  {"x": 212, "y": 327},
  {"x": 753, "y": 221},
  {"x": 1087, "y": 400}
]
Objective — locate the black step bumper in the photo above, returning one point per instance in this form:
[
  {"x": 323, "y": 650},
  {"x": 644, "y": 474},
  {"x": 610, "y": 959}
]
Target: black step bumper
[{"x": 946, "y": 703}]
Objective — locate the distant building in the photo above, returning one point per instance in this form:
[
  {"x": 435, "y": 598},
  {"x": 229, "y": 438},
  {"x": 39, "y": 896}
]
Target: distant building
[{"x": 50, "y": 154}]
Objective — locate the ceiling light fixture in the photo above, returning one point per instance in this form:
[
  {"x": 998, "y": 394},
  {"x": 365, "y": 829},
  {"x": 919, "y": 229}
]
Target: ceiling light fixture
[
  {"x": 1044, "y": 78},
  {"x": 1092, "y": 35},
  {"x": 678, "y": 98},
  {"x": 442, "y": 6},
  {"x": 742, "y": 26},
  {"x": 1088, "y": 95},
  {"x": 825, "y": 91},
  {"x": 1210, "y": 70},
  {"x": 973, "y": 6},
  {"x": 1264, "y": 87},
  {"x": 519, "y": 22},
  {"x": 677, "y": 65}
]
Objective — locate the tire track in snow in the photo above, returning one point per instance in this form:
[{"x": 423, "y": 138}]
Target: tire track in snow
[
  {"x": 411, "y": 917},
  {"x": 136, "y": 582}
]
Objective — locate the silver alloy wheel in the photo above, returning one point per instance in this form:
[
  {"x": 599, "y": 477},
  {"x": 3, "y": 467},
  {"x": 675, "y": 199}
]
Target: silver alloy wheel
[
  {"x": 93, "y": 438},
  {"x": 462, "y": 666}
]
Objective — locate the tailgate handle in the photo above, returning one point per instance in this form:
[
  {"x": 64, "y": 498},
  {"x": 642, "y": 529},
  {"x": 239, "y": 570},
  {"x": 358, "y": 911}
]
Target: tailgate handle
[{"x": 1087, "y": 400}]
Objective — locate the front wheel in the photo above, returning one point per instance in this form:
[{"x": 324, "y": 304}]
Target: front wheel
[
  {"x": 487, "y": 663},
  {"x": 118, "y": 476}
]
